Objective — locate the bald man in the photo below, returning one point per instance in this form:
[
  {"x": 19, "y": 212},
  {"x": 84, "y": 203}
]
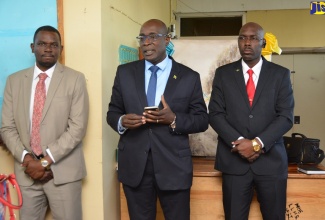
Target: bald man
[
  {"x": 251, "y": 108},
  {"x": 154, "y": 156}
]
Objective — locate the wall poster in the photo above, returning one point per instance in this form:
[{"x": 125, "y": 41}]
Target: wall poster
[{"x": 204, "y": 56}]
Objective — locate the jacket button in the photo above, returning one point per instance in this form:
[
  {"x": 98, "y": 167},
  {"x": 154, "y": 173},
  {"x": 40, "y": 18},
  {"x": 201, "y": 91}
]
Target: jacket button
[{"x": 250, "y": 116}]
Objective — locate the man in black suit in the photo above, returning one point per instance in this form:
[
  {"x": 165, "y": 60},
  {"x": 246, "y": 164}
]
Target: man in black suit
[
  {"x": 154, "y": 156},
  {"x": 250, "y": 152}
]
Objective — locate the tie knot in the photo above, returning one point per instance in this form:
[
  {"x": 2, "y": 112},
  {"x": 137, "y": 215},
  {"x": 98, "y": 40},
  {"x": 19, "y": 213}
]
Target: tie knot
[
  {"x": 250, "y": 72},
  {"x": 154, "y": 69},
  {"x": 42, "y": 76}
]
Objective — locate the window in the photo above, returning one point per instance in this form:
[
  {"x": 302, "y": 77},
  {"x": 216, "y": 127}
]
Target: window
[{"x": 210, "y": 26}]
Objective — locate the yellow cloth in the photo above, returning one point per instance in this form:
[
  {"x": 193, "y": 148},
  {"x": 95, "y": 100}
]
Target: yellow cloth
[{"x": 271, "y": 45}]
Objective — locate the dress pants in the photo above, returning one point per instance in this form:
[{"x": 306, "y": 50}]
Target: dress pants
[
  {"x": 142, "y": 200},
  {"x": 238, "y": 191},
  {"x": 64, "y": 201}
]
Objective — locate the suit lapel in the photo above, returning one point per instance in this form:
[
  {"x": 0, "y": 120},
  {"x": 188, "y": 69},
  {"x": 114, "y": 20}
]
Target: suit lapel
[
  {"x": 139, "y": 77},
  {"x": 172, "y": 82},
  {"x": 239, "y": 75},
  {"x": 27, "y": 88},
  {"x": 263, "y": 78},
  {"x": 174, "y": 78},
  {"x": 55, "y": 82}
]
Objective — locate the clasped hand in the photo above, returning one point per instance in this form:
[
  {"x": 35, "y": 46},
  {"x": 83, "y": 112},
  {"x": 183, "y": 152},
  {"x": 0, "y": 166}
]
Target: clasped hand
[
  {"x": 34, "y": 169},
  {"x": 163, "y": 116},
  {"x": 245, "y": 149}
]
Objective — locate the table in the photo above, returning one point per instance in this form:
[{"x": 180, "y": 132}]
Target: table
[{"x": 305, "y": 195}]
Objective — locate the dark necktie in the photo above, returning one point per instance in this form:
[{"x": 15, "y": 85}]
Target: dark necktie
[
  {"x": 250, "y": 87},
  {"x": 151, "y": 91},
  {"x": 39, "y": 100}
]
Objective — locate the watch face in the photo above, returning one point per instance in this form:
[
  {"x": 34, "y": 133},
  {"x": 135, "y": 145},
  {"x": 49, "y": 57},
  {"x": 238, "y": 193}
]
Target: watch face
[
  {"x": 44, "y": 163},
  {"x": 257, "y": 147}
]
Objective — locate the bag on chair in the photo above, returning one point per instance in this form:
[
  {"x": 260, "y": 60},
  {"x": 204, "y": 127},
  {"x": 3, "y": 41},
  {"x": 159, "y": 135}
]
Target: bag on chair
[
  {"x": 303, "y": 150},
  {"x": 5, "y": 199}
]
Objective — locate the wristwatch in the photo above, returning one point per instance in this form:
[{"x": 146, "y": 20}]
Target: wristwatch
[
  {"x": 256, "y": 146},
  {"x": 173, "y": 124},
  {"x": 45, "y": 164}
]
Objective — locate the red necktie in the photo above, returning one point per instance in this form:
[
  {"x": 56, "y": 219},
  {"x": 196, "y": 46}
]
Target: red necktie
[
  {"x": 250, "y": 87},
  {"x": 39, "y": 100}
]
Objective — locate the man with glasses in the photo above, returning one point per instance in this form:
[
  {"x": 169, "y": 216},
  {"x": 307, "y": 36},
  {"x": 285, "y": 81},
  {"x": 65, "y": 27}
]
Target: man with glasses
[
  {"x": 251, "y": 108},
  {"x": 154, "y": 156}
]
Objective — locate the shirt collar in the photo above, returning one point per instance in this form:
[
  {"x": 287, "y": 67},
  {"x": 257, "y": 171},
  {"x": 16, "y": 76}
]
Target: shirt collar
[
  {"x": 162, "y": 65},
  {"x": 48, "y": 72},
  {"x": 257, "y": 68}
]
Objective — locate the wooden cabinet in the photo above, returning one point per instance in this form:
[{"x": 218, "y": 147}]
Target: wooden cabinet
[{"x": 305, "y": 195}]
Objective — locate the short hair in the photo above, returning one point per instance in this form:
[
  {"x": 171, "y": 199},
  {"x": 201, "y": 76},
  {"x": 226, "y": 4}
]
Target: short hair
[
  {"x": 46, "y": 28},
  {"x": 162, "y": 25}
]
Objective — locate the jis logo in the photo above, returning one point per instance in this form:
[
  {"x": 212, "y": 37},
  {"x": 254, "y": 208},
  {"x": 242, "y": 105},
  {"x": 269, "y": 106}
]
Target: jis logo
[{"x": 317, "y": 8}]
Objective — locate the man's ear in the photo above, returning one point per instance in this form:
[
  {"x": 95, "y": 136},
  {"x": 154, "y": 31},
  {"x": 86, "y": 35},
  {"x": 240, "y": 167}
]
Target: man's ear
[
  {"x": 167, "y": 39},
  {"x": 264, "y": 43},
  {"x": 32, "y": 47}
]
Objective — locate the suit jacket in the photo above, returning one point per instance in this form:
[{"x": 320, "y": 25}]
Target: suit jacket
[
  {"x": 63, "y": 124},
  {"x": 269, "y": 118},
  {"x": 170, "y": 150}
]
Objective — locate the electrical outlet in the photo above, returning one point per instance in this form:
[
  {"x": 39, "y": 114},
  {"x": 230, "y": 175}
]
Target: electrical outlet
[{"x": 296, "y": 119}]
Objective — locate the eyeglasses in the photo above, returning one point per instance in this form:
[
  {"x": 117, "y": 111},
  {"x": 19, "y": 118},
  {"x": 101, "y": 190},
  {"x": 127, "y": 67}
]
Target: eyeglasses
[
  {"x": 250, "y": 38},
  {"x": 45, "y": 45},
  {"x": 150, "y": 37}
]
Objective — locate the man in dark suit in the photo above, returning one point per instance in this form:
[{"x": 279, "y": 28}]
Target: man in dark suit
[
  {"x": 250, "y": 152},
  {"x": 154, "y": 156}
]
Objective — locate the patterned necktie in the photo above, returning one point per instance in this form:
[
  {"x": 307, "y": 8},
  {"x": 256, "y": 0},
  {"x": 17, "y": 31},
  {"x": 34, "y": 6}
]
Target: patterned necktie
[
  {"x": 39, "y": 100},
  {"x": 250, "y": 87},
  {"x": 151, "y": 92}
]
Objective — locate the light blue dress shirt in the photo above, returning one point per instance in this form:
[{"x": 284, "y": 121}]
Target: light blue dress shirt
[{"x": 163, "y": 73}]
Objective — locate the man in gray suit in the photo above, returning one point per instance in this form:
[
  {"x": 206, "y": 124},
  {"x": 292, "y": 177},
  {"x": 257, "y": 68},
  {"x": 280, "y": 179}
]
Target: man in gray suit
[
  {"x": 51, "y": 175},
  {"x": 154, "y": 156},
  {"x": 250, "y": 152}
]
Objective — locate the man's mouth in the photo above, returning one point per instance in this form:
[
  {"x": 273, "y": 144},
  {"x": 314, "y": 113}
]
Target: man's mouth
[
  {"x": 47, "y": 56},
  {"x": 148, "y": 52},
  {"x": 247, "y": 51}
]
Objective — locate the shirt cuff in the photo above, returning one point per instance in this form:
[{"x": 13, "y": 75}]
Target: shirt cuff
[
  {"x": 238, "y": 139},
  {"x": 120, "y": 128},
  {"x": 260, "y": 141},
  {"x": 23, "y": 156},
  {"x": 50, "y": 155}
]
